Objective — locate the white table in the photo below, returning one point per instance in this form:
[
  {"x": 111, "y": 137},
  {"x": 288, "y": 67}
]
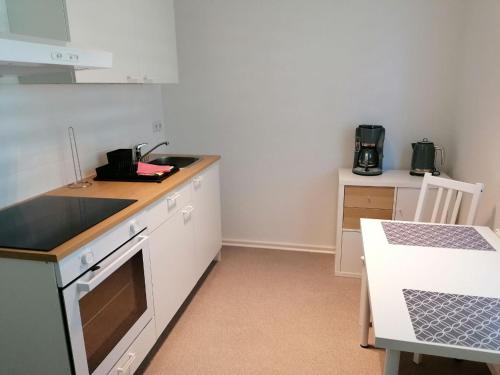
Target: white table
[{"x": 391, "y": 268}]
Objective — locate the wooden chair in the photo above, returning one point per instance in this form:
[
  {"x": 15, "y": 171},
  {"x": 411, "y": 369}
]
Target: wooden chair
[{"x": 455, "y": 191}]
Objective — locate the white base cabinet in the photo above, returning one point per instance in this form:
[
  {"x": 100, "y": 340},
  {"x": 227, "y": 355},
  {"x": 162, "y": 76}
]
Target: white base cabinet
[
  {"x": 172, "y": 258},
  {"x": 207, "y": 216},
  {"x": 185, "y": 236}
]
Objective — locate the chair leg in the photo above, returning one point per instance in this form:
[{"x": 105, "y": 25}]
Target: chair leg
[
  {"x": 364, "y": 312},
  {"x": 417, "y": 358}
]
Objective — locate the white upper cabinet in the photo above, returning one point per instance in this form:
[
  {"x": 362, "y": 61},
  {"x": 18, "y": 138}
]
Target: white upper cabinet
[
  {"x": 157, "y": 47},
  {"x": 107, "y": 25},
  {"x": 34, "y": 18},
  {"x": 139, "y": 33}
]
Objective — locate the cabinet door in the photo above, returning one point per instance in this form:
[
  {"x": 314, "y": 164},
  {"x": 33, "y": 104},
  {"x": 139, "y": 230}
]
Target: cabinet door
[
  {"x": 109, "y": 25},
  {"x": 207, "y": 216},
  {"x": 352, "y": 250},
  {"x": 406, "y": 204},
  {"x": 40, "y": 19},
  {"x": 157, "y": 48},
  {"x": 172, "y": 266}
]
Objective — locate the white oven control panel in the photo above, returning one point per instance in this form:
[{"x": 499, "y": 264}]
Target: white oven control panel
[
  {"x": 87, "y": 258},
  {"x": 72, "y": 266}
]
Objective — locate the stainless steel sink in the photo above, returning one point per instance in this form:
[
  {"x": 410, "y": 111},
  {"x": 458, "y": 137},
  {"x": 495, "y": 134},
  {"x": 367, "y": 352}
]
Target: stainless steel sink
[{"x": 178, "y": 161}]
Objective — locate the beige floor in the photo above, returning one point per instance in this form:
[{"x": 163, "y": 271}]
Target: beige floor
[{"x": 277, "y": 312}]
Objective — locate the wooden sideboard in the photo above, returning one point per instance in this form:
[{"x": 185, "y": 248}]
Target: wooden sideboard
[{"x": 392, "y": 196}]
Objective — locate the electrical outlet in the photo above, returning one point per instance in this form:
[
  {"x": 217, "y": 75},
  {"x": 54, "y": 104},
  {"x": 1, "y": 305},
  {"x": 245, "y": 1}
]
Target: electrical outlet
[{"x": 157, "y": 126}]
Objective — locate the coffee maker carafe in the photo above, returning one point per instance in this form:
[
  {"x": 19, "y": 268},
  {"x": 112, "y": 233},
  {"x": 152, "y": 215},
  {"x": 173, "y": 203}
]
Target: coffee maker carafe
[{"x": 369, "y": 150}]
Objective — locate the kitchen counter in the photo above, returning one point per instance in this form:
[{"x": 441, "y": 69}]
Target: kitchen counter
[{"x": 144, "y": 192}]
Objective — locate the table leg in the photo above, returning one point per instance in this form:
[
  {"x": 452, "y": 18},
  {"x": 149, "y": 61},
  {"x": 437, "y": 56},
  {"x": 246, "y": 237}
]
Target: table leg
[
  {"x": 391, "y": 365},
  {"x": 417, "y": 358},
  {"x": 364, "y": 313}
]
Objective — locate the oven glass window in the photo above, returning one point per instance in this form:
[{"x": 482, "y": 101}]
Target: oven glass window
[{"x": 112, "y": 308}]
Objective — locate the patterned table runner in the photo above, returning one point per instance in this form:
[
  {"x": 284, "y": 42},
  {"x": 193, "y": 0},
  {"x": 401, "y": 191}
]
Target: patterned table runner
[
  {"x": 450, "y": 236},
  {"x": 454, "y": 319}
]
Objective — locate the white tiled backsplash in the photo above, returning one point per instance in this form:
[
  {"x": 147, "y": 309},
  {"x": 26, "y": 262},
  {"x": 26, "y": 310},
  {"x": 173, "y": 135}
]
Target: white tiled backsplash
[{"x": 35, "y": 154}]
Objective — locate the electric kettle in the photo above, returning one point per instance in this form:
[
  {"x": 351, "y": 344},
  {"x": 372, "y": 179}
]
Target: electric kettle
[{"x": 424, "y": 158}]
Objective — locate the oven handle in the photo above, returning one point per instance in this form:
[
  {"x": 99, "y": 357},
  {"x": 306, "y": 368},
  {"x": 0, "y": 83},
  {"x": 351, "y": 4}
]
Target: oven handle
[{"x": 87, "y": 286}]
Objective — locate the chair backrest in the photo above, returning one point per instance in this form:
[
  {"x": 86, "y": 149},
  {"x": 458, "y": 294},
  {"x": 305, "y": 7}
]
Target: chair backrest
[{"x": 455, "y": 189}]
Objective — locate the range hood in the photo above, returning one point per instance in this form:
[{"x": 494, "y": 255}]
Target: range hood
[{"x": 21, "y": 57}]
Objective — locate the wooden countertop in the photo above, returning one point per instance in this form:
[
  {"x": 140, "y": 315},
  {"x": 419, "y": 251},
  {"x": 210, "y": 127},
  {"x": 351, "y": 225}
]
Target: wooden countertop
[{"x": 144, "y": 192}]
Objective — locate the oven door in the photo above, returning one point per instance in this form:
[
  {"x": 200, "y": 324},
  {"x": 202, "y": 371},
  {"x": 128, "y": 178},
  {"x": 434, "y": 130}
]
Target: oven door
[{"x": 107, "y": 307}]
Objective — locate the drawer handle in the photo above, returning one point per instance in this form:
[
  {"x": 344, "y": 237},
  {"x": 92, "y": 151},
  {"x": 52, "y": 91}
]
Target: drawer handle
[
  {"x": 187, "y": 213},
  {"x": 172, "y": 200},
  {"x": 125, "y": 369},
  {"x": 131, "y": 79},
  {"x": 197, "y": 181}
]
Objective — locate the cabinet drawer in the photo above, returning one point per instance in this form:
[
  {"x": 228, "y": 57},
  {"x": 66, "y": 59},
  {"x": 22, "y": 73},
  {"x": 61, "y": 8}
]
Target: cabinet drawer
[
  {"x": 353, "y": 214},
  {"x": 136, "y": 353},
  {"x": 162, "y": 210},
  {"x": 369, "y": 197},
  {"x": 352, "y": 250}
]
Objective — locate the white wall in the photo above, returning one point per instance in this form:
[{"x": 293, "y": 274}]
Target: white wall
[
  {"x": 477, "y": 127},
  {"x": 277, "y": 87},
  {"x": 34, "y": 149}
]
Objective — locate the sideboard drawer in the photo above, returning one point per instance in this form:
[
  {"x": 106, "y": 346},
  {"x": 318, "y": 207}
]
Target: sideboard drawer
[
  {"x": 369, "y": 197},
  {"x": 353, "y": 214}
]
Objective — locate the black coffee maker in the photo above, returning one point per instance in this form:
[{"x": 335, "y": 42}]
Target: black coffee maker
[{"x": 369, "y": 150}]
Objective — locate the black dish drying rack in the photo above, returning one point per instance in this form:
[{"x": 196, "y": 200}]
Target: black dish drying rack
[{"x": 128, "y": 173}]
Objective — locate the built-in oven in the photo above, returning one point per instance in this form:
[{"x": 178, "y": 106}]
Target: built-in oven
[{"x": 108, "y": 306}]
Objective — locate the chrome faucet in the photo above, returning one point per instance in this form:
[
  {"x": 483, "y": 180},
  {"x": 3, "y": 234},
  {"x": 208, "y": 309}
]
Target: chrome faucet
[
  {"x": 138, "y": 151},
  {"x": 140, "y": 157}
]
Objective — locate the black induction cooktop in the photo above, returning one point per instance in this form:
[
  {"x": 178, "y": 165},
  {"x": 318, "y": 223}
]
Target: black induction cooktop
[{"x": 45, "y": 222}]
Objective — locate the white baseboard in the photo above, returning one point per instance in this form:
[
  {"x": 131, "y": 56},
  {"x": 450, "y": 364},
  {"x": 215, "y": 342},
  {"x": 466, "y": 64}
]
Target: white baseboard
[
  {"x": 348, "y": 274},
  {"x": 280, "y": 246}
]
